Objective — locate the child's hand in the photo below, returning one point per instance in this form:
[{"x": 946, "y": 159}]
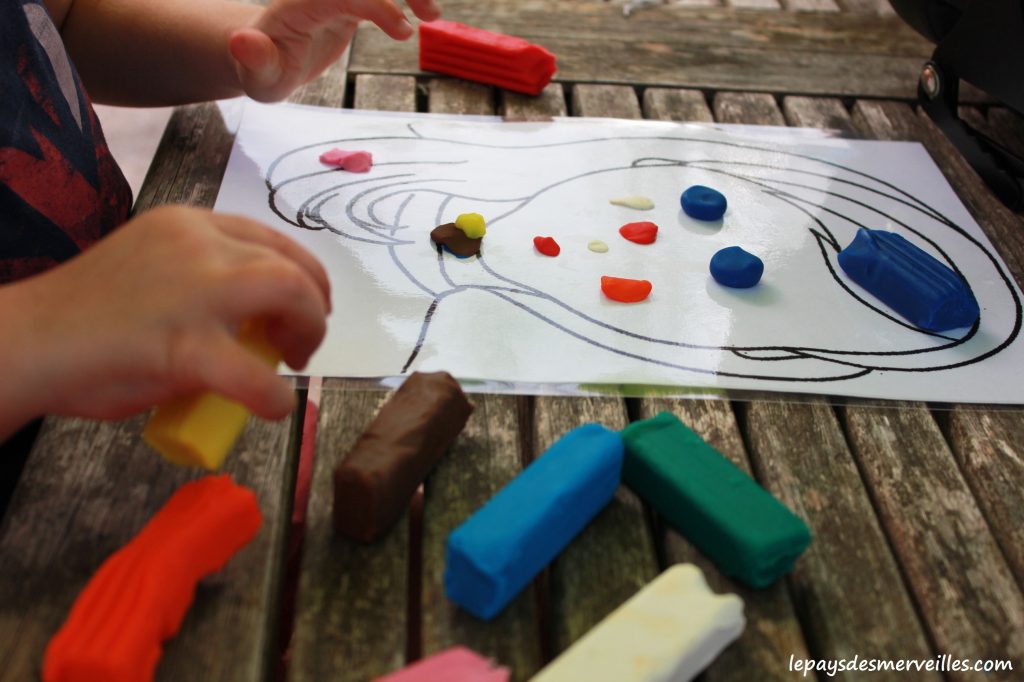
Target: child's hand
[
  {"x": 151, "y": 312},
  {"x": 293, "y": 41}
]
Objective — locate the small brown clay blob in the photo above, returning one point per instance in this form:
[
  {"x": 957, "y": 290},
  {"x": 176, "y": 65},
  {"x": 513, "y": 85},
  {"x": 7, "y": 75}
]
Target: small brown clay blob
[
  {"x": 455, "y": 240},
  {"x": 376, "y": 480}
]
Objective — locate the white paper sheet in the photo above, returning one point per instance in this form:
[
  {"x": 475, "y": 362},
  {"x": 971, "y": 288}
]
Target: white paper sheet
[{"x": 513, "y": 315}]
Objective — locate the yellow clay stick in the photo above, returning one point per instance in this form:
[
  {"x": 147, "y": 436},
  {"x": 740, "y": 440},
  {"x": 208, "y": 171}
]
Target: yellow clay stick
[{"x": 199, "y": 430}]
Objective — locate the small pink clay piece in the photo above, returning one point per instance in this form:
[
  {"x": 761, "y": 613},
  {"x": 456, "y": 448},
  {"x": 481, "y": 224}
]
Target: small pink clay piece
[
  {"x": 457, "y": 664},
  {"x": 355, "y": 162}
]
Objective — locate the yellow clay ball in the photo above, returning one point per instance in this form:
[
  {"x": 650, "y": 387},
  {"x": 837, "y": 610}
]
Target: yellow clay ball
[{"x": 472, "y": 224}]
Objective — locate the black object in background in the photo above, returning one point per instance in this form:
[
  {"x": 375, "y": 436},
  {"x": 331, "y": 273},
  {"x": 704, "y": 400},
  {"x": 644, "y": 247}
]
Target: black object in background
[{"x": 982, "y": 42}]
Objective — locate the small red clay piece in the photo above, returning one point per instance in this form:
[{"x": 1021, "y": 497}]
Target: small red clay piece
[
  {"x": 478, "y": 55},
  {"x": 644, "y": 232},
  {"x": 141, "y": 593},
  {"x": 547, "y": 245},
  {"x": 625, "y": 290},
  {"x": 355, "y": 162}
]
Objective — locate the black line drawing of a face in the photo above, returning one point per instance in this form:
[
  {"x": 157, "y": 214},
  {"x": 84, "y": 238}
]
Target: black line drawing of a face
[{"x": 795, "y": 210}]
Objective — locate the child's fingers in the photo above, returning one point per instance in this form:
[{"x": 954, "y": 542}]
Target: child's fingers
[
  {"x": 226, "y": 367},
  {"x": 308, "y": 16},
  {"x": 245, "y": 229},
  {"x": 283, "y": 293},
  {"x": 258, "y": 59},
  {"x": 427, "y": 10}
]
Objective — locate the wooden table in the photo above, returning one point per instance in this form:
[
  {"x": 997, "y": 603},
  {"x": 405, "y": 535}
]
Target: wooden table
[{"x": 917, "y": 510}]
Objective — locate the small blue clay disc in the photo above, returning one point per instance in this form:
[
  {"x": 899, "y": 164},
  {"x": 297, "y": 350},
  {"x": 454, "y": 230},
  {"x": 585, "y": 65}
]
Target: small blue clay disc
[
  {"x": 703, "y": 203},
  {"x": 734, "y": 267}
]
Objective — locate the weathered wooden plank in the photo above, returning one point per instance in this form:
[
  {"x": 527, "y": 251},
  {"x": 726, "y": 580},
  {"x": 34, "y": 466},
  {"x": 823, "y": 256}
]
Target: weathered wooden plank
[
  {"x": 847, "y": 587},
  {"x": 811, "y": 5},
  {"x": 927, "y": 509},
  {"x": 747, "y": 107},
  {"x": 550, "y": 102},
  {"x": 754, "y": 4},
  {"x": 773, "y": 633},
  {"x": 879, "y": 7},
  {"x": 953, "y": 566},
  {"x": 614, "y": 101},
  {"x": 989, "y": 446},
  {"x": 1007, "y": 127},
  {"x": 453, "y": 96},
  {"x": 835, "y": 53},
  {"x": 190, "y": 159},
  {"x": 799, "y": 453},
  {"x": 614, "y": 556},
  {"x": 89, "y": 487},
  {"x": 817, "y": 112},
  {"x": 984, "y": 442},
  {"x": 665, "y": 104},
  {"x": 345, "y": 586},
  {"x": 485, "y": 457},
  {"x": 385, "y": 93},
  {"x": 327, "y": 89}
]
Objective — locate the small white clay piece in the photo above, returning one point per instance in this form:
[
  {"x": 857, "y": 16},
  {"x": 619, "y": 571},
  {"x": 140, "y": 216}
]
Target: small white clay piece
[
  {"x": 639, "y": 203},
  {"x": 667, "y": 632}
]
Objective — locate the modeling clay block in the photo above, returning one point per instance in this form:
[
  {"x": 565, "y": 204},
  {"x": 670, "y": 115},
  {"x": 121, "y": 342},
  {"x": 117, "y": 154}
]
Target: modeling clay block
[
  {"x": 355, "y": 162},
  {"x": 909, "y": 280},
  {"x": 703, "y": 203},
  {"x": 140, "y": 594},
  {"x": 199, "y": 430},
  {"x": 547, "y": 246},
  {"x": 739, "y": 525},
  {"x": 640, "y": 233},
  {"x": 734, "y": 267},
  {"x": 472, "y": 224},
  {"x": 625, "y": 290},
  {"x": 455, "y": 240},
  {"x": 478, "y": 55},
  {"x": 639, "y": 203},
  {"x": 457, "y": 664},
  {"x": 667, "y": 632},
  {"x": 376, "y": 480},
  {"x": 497, "y": 551}
]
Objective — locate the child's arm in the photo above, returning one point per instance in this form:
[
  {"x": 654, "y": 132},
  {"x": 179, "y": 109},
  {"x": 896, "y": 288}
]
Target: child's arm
[
  {"x": 152, "y": 312},
  {"x": 158, "y": 52}
]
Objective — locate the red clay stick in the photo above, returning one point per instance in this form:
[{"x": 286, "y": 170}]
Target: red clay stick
[
  {"x": 486, "y": 57},
  {"x": 141, "y": 593}
]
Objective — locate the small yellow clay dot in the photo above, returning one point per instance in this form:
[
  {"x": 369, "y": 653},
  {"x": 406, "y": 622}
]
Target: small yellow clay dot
[
  {"x": 639, "y": 203},
  {"x": 472, "y": 224},
  {"x": 597, "y": 246}
]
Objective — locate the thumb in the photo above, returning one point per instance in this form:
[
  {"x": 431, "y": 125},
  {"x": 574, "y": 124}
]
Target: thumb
[{"x": 257, "y": 61}]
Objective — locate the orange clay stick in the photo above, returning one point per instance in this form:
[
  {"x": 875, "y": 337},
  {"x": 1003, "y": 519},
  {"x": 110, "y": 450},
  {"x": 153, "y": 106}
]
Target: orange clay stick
[
  {"x": 140, "y": 594},
  {"x": 199, "y": 430}
]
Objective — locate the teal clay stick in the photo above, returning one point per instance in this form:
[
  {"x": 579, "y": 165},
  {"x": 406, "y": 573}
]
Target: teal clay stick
[{"x": 739, "y": 525}]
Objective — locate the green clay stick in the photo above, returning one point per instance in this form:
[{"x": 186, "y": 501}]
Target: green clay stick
[{"x": 739, "y": 525}]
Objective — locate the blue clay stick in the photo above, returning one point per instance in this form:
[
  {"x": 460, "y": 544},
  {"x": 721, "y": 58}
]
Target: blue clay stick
[
  {"x": 495, "y": 553},
  {"x": 909, "y": 280}
]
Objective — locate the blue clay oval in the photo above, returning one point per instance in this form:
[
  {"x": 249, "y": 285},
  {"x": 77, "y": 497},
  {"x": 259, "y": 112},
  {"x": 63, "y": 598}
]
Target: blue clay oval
[
  {"x": 703, "y": 203},
  {"x": 734, "y": 267}
]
